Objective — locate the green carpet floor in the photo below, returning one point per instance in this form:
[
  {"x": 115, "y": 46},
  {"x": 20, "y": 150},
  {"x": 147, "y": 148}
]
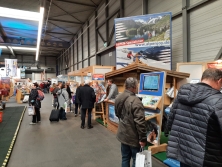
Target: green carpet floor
[
  {"x": 11, "y": 118},
  {"x": 160, "y": 156}
]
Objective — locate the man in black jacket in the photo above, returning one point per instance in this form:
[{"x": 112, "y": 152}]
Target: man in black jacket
[
  {"x": 195, "y": 123},
  {"x": 87, "y": 98},
  {"x": 132, "y": 125}
]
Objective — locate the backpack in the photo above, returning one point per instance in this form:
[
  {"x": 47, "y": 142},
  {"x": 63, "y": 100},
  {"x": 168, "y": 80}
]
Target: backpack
[{"x": 40, "y": 95}]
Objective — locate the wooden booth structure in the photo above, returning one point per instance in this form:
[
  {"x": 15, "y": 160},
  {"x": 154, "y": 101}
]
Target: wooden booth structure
[
  {"x": 196, "y": 69},
  {"x": 171, "y": 79},
  {"x": 88, "y": 71},
  {"x": 77, "y": 77}
]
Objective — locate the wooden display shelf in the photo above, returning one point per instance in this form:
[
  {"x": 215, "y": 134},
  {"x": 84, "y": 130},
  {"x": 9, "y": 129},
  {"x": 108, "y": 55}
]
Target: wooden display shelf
[{"x": 148, "y": 117}]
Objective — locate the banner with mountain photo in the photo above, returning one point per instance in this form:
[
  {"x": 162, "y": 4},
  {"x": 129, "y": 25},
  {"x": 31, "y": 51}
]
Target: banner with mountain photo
[{"x": 147, "y": 36}]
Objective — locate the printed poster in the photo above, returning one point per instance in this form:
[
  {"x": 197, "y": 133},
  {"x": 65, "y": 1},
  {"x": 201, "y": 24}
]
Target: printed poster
[
  {"x": 148, "y": 36},
  {"x": 11, "y": 67},
  {"x": 112, "y": 115},
  {"x": 100, "y": 77}
]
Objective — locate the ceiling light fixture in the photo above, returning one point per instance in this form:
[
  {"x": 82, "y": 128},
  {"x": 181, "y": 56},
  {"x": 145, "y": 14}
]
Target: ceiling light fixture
[
  {"x": 3, "y": 47},
  {"x": 39, "y": 32},
  {"x": 23, "y": 48},
  {"x": 19, "y": 14}
]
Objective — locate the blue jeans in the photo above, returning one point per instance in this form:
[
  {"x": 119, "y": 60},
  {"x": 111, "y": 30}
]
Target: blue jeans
[{"x": 128, "y": 152}]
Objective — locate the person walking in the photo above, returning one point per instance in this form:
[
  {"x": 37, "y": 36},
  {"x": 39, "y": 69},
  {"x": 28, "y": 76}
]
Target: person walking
[
  {"x": 54, "y": 93},
  {"x": 36, "y": 102},
  {"x": 77, "y": 101},
  {"x": 87, "y": 99},
  {"x": 132, "y": 125},
  {"x": 195, "y": 123},
  {"x": 63, "y": 98},
  {"x": 70, "y": 95}
]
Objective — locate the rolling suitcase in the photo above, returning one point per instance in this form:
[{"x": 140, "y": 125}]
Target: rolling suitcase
[{"x": 54, "y": 116}]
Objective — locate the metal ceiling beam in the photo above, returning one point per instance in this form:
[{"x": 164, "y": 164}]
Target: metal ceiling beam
[
  {"x": 72, "y": 13},
  {"x": 2, "y": 33},
  {"x": 77, "y": 3},
  {"x": 65, "y": 21},
  {"x": 57, "y": 38},
  {"x": 11, "y": 50},
  {"x": 60, "y": 27},
  {"x": 94, "y": 3},
  {"x": 48, "y": 44},
  {"x": 58, "y": 33},
  {"x": 67, "y": 12}
]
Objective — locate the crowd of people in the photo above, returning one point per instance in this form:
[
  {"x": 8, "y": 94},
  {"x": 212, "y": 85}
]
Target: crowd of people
[
  {"x": 194, "y": 122},
  {"x": 80, "y": 102}
]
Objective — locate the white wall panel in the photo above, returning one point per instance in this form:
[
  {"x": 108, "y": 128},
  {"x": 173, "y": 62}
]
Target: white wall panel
[
  {"x": 80, "y": 65},
  {"x": 132, "y": 8},
  {"x": 80, "y": 47},
  {"x": 193, "y": 2},
  {"x": 113, "y": 6},
  {"x": 85, "y": 63},
  {"x": 50, "y": 75},
  {"x": 72, "y": 56},
  {"x": 102, "y": 31},
  {"x": 158, "y": 6},
  {"x": 92, "y": 36},
  {"x": 101, "y": 14},
  {"x": 75, "y": 52},
  {"x": 111, "y": 24},
  {"x": 206, "y": 31},
  {"x": 85, "y": 43},
  {"x": 92, "y": 61},
  {"x": 177, "y": 42}
]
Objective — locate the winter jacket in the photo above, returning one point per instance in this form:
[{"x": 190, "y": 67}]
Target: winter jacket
[
  {"x": 77, "y": 101},
  {"x": 33, "y": 98},
  {"x": 87, "y": 97},
  {"x": 69, "y": 92},
  {"x": 132, "y": 125},
  {"x": 63, "y": 97},
  {"x": 195, "y": 121}
]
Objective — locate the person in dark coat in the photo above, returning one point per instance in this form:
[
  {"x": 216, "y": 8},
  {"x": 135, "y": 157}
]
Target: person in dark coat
[
  {"x": 35, "y": 101},
  {"x": 77, "y": 101},
  {"x": 70, "y": 96},
  {"x": 87, "y": 99},
  {"x": 195, "y": 123},
  {"x": 56, "y": 102},
  {"x": 132, "y": 125}
]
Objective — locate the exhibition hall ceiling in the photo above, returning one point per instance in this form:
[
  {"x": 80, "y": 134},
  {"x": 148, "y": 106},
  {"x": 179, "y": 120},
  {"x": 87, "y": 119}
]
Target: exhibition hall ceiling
[{"x": 62, "y": 21}]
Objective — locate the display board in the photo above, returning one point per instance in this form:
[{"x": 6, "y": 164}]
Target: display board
[
  {"x": 146, "y": 35},
  {"x": 151, "y": 90},
  {"x": 112, "y": 116},
  {"x": 190, "y": 68}
]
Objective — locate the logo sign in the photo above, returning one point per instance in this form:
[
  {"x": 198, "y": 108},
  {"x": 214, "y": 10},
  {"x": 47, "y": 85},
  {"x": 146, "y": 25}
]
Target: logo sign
[{"x": 100, "y": 77}]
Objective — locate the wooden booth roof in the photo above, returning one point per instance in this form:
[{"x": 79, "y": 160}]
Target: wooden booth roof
[{"x": 142, "y": 68}]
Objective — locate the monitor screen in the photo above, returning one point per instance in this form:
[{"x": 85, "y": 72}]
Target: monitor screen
[{"x": 151, "y": 82}]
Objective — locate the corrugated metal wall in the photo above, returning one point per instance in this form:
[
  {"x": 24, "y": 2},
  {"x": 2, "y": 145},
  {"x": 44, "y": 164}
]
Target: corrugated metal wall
[
  {"x": 132, "y": 8},
  {"x": 204, "y": 31}
]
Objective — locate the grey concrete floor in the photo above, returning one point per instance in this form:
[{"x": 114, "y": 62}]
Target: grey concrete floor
[{"x": 64, "y": 143}]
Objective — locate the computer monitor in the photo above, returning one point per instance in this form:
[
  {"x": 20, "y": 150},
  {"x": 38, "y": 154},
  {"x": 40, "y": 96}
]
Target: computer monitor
[{"x": 151, "y": 82}]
